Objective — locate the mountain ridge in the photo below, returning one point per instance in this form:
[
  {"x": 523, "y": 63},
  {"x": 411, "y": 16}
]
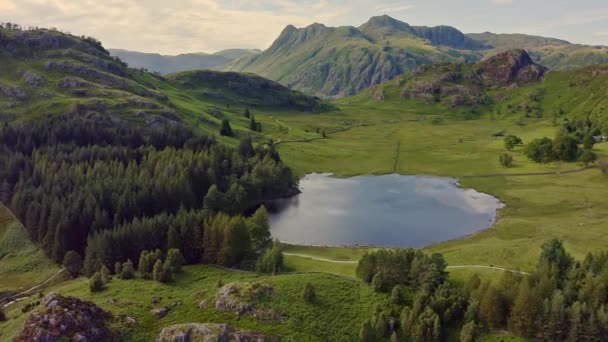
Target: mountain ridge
[{"x": 334, "y": 62}]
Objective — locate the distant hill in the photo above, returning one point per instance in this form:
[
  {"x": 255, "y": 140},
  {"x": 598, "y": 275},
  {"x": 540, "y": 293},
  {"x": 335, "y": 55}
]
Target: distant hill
[
  {"x": 53, "y": 74},
  {"x": 553, "y": 53},
  {"x": 342, "y": 61},
  {"x": 335, "y": 62},
  {"x": 191, "y": 61}
]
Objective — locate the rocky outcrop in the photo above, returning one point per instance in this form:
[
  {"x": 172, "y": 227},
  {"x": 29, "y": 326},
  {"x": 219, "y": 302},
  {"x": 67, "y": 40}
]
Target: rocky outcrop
[
  {"x": 75, "y": 82},
  {"x": 209, "y": 332},
  {"x": 511, "y": 66},
  {"x": 242, "y": 298},
  {"x": 66, "y": 319},
  {"x": 86, "y": 72},
  {"x": 12, "y": 92},
  {"x": 32, "y": 79}
]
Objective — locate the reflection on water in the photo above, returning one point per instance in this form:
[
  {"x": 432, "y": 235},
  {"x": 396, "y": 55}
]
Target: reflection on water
[{"x": 391, "y": 210}]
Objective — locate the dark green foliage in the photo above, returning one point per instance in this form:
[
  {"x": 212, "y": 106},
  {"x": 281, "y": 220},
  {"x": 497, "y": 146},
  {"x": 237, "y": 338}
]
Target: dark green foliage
[
  {"x": 366, "y": 332},
  {"x": 246, "y": 149},
  {"x": 506, "y": 160},
  {"x": 226, "y": 240},
  {"x": 253, "y": 124},
  {"x": 146, "y": 263},
  {"x": 469, "y": 332},
  {"x": 271, "y": 260},
  {"x": 309, "y": 294},
  {"x": 247, "y": 113},
  {"x": 565, "y": 148},
  {"x": 118, "y": 268},
  {"x": 225, "y": 129},
  {"x": 162, "y": 271},
  {"x": 587, "y": 157},
  {"x": 96, "y": 283},
  {"x": 540, "y": 150},
  {"x": 105, "y": 274},
  {"x": 259, "y": 227},
  {"x": 175, "y": 260},
  {"x": 387, "y": 268},
  {"x": 511, "y": 141},
  {"x": 72, "y": 262},
  {"x": 2, "y": 314},
  {"x": 127, "y": 270},
  {"x": 398, "y": 295}
]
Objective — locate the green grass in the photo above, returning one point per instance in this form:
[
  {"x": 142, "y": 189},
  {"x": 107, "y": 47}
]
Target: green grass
[
  {"x": 342, "y": 304},
  {"x": 22, "y": 264}
]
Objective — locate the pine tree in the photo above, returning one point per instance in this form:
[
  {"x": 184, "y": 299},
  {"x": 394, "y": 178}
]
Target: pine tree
[
  {"x": 247, "y": 113},
  {"x": 175, "y": 260},
  {"x": 259, "y": 227},
  {"x": 225, "y": 129},
  {"x": 469, "y": 332},
  {"x": 491, "y": 308},
  {"x": 158, "y": 270},
  {"x": 118, "y": 269},
  {"x": 127, "y": 270},
  {"x": 105, "y": 274},
  {"x": 96, "y": 283},
  {"x": 145, "y": 265},
  {"x": 524, "y": 311},
  {"x": 252, "y": 124},
  {"x": 72, "y": 262}
]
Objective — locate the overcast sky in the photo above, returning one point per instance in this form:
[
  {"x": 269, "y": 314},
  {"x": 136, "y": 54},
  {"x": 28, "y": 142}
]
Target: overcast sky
[{"x": 181, "y": 26}]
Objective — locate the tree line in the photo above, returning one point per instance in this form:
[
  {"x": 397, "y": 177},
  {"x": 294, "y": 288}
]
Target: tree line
[
  {"x": 562, "y": 300},
  {"x": 120, "y": 189}
]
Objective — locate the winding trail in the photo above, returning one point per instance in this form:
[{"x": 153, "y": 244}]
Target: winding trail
[
  {"x": 449, "y": 267},
  {"x": 22, "y": 295}
]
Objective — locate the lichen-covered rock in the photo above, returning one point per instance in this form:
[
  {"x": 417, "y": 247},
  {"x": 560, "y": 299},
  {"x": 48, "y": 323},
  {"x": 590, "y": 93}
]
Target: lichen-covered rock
[
  {"x": 32, "y": 79},
  {"x": 160, "y": 313},
  {"x": 241, "y": 297},
  {"x": 12, "y": 92},
  {"x": 66, "y": 319},
  {"x": 209, "y": 332}
]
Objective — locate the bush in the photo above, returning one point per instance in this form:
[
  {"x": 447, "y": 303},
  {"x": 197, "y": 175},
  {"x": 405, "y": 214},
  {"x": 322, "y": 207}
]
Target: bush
[
  {"x": 175, "y": 260},
  {"x": 72, "y": 262},
  {"x": 127, "y": 271},
  {"x": 95, "y": 282},
  {"x": 540, "y": 150},
  {"x": 310, "y": 295},
  {"x": 271, "y": 261},
  {"x": 506, "y": 160},
  {"x": 511, "y": 141},
  {"x": 469, "y": 332},
  {"x": 118, "y": 269},
  {"x": 398, "y": 295},
  {"x": 366, "y": 332},
  {"x": 105, "y": 274},
  {"x": 587, "y": 157},
  {"x": 162, "y": 272},
  {"x": 603, "y": 165}
]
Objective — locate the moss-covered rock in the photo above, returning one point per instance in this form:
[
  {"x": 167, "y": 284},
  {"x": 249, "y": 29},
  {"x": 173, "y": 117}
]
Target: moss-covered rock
[{"x": 209, "y": 332}]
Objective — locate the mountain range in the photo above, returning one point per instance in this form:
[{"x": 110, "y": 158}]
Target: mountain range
[
  {"x": 191, "y": 61},
  {"x": 341, "y": 61}
]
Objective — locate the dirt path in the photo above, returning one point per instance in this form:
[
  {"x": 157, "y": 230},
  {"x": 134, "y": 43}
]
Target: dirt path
[
  {"x": 549, "y": 173},
  {"x": 449, "y": 267},
  {"x": 22, "y": 295}
]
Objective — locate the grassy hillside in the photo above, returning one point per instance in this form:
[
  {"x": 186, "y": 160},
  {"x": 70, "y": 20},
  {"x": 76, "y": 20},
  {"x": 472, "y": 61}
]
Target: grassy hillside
[
  {"x": 47, "y": 73},
  {"x": 169, "y": 64},
  {"x": 336, "y": 62},
  {"x": 22, "y": 264},
  {"x": 342, "y": 61}
]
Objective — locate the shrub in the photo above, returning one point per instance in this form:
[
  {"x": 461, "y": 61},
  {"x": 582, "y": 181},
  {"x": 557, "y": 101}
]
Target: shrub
[
  {"x": 366, "y": 332},
  {"x": 506, "y": 160},
  {"x": 105, "y": 274},
  {"x": 271, "y": 261},
  {"x": 95, "y": 282},
  {"x": 587, "y": 157},
  {"x": 511, "y": 141},
  {"x": 398, "y": 295},
  {"x": 127, "y": 271},
  {"x": 175, "y": 260},
  {"x": 309, "y": 294},
  {"x": 603, "y": 165},
  {"x": 72, "y": 262},
  {"x": 118, "y": 269}
]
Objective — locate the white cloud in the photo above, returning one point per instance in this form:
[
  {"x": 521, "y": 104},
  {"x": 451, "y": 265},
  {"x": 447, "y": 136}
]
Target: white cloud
[{"x": 600, "y": 34}]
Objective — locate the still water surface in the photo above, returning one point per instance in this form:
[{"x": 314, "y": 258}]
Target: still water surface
[{"x": 388, "y": 211}]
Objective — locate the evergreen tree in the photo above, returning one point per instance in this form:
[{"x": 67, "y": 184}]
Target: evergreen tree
[
  {"x": 469, "y": 332},
  {"x": 72, "y": 262},
  {"x": 157, "y": 270},
  {"x": 247, "y": 113},
  {"x": 175, "y": 260},
  {"x": 118, "y": 269},
  {"x": 259, "y": 227},
  {"x": 253, "y": 124},
  {"x": 309, "y": 294},
  {"x": 145, "y": 265},
  {"x": 105, "y": 274},
  {"x": 96, "y": 283},
  {"x": 491, "y": 310},
  {"x": 225, "y": 129},
  {"x": 524, "y": 311},
  {"x": 127, "y": 270}
]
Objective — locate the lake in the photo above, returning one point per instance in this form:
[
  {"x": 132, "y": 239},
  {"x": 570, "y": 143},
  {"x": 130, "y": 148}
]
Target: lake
[{"x": 388, "y": 211}]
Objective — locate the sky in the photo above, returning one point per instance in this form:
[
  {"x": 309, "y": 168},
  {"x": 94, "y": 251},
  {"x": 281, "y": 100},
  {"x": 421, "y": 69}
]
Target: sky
[{"x": 182, "y": 26}]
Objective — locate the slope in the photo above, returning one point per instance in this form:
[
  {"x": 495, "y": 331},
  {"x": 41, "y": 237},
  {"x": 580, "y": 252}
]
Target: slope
[
  {"x": 336, "y": 62},
  {"x": 191, "y": 61}
]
